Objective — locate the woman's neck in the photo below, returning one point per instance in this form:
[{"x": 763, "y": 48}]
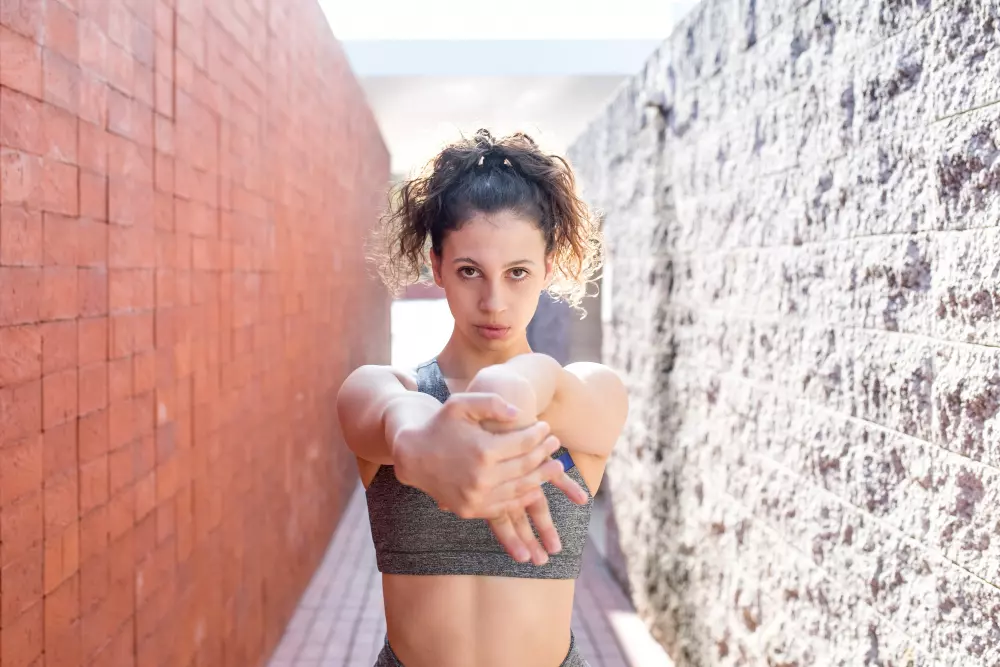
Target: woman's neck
[{"x": 461, "y": 360}]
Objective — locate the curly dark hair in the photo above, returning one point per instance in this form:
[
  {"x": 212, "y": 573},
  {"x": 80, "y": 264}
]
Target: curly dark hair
[{"x": 488, "y": 175}]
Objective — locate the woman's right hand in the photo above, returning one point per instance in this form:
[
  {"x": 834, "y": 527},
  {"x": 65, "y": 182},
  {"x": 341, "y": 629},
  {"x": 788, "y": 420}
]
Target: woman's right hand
[{"x": 468, "y": 470}]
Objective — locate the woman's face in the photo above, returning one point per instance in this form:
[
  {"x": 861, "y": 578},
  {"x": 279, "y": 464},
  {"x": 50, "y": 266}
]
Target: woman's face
[{"x": 492, "y": 270}]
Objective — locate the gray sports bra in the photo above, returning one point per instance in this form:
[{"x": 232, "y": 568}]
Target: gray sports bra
[{"x": 413, "y": 536}]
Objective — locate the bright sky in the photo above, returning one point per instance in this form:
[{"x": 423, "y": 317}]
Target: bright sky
[{"x": 511, "y": 19}]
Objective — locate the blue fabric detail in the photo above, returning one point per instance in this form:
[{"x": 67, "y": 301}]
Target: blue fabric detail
[{"x": 567, "y": 460}]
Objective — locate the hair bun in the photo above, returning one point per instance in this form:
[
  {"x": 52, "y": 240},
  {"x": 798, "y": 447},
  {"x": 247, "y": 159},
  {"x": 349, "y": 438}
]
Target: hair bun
[{"x": 484, "y": 139}]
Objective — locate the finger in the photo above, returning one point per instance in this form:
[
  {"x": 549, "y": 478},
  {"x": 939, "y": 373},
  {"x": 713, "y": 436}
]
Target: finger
[
  {"x": 523, "y": 528},
  {"x": 520, "y": 466},
  {"x": 477, "y": 407},
  {"x": 517, "y": 491},
  {"x": 508, "y": 537},
  {"x": 518, "y": 443},
  {"x": 571, "y": 488},
  {"x": 514, "y": 505},
  {"x": 540, "y": 516}
]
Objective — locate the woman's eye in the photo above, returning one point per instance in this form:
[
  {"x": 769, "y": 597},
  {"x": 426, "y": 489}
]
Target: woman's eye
[
  {"x": 519, "y": 274},
  {"x": 467, "y": 272}
]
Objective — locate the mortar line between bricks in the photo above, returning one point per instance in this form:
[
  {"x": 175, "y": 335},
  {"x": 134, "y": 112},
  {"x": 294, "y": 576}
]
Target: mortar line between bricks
[
  {"x": 795, "y": 10},
  {"x": 958, "y": 114},
  {"x": 716, "y": 251},
  {"x": 867, "y": 515},
  {"x": 775, "y": 390},
  {"x": 978, "y": 348},
  {"x": 804, "y": 557}
]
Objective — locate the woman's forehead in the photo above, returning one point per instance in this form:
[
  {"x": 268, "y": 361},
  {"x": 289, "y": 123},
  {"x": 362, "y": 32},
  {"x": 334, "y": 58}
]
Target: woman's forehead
[{"x": 495, "y": 237}]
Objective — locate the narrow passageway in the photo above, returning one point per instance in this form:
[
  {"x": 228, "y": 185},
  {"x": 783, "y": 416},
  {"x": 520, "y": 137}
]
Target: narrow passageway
[{"x": 339, "y": 621}]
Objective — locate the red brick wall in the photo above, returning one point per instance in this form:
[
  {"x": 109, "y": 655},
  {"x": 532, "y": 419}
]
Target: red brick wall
[{"x": 184, "y": 188}]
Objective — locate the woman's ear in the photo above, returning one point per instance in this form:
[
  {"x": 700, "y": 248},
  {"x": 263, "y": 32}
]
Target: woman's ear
[
  {"x": 436, "y": 268},
  {"x": 549, "y": 268}
]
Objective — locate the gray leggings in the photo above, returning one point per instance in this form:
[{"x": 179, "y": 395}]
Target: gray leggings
[{"x": 573, "y": 659}]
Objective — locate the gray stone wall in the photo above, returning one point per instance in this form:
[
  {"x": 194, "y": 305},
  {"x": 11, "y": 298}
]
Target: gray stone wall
[{"x": 803, "y": 219}]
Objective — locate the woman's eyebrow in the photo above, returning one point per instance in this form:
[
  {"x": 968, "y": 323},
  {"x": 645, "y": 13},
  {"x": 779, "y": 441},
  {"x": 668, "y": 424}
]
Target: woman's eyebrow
[{"x": 469, "y": 260}]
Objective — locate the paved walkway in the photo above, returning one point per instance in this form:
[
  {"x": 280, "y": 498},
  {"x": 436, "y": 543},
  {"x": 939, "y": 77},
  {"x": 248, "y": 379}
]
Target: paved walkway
[{"x": 340, "y": 622}]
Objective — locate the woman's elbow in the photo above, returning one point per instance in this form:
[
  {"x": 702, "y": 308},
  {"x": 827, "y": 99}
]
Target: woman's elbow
[{"x": 511, "y": 387}]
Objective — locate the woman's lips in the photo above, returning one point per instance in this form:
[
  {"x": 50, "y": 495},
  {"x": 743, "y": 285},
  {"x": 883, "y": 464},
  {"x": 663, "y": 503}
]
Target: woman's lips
[{"x": 492, "y": 332}]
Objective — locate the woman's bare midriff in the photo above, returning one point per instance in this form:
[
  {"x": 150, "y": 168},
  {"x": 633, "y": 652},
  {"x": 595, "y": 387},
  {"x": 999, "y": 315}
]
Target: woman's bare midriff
[
  {"x": 457, "y": 621},
  {"x": 461, "y": 620}
]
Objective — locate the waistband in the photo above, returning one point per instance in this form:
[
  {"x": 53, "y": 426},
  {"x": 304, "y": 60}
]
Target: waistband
[{"x": 387, "y": 658}]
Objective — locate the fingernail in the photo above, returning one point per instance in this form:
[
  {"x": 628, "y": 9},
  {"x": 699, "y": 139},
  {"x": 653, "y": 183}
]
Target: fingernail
[
  {"x": 558, "y": 547},
  {"x": 523, "y": 555},
  {"x": 511, "y": 410}
]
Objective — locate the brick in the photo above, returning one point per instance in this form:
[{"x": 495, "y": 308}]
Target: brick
[
  {"x": 145, "y": 495},
  {"x": 21, "y": 527},
  {"x": 121, "y": 463},
  {"x": 59, "y": 445},
  {"x": 93, "y": 101},
  {"x": 63, "y": 649},
  {"x": 144, "y": 372},
  {"x": 95, "y": 581},
  {"x": 94, "y": 484},
  {"x": 60, "y": 397},
  {"x": 20, "y": 354},
  {"x": 26, "y": 17},
  {"x": 20, "y": 417},
  {"x": 59, "y": 129},
  {"x": 93, "y": 393},
  {"x": 22, "y": 641},
  {"x": 60, "y": 81},
  {"x": 93, "y": 51},
  {"x": 92, "y": 292},
  {"x": 92, "y": 242},
  {"x": 93, "y": 435},
  {"x": 21, "y": 237},
  {"x": 61, "y": 240},
  {"x": 94, "y": 205},
  {"x": 22, "y": 581},
  {"x": 60, "y": 293},
  {"x": 21, "y": 59},
  {"x": 96, "y": 11},
  {"x": 62, "y": 507},
  {"x": 61, "y": 30},
  {"x": 21, "y": 178},
  {"x": 93, "y": 148},
  {"x": 120, "y": 68},
  {"x": 20, "y": 295},
  {"x": 61, "y": 188},
  {"x": 62, "y": 611},
  {"x": 145, "y": 94},
  {"x": 121, "y": 378},
  {"x": 93, "y": 533},
  {"x": 21, "y": 123},
  {"x": 93, "y": 340},
  {"x": 163, "y": 91}
]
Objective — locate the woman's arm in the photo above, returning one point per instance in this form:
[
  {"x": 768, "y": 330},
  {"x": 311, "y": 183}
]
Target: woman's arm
[
  {"x": 373, "y": 403},
  {"x": 585, "y": 403},
  {"x": 442, "y": 449}
]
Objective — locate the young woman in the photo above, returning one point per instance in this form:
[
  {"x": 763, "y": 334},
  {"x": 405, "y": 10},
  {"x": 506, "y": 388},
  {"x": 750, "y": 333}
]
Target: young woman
[{"x": 459, "y": 453}]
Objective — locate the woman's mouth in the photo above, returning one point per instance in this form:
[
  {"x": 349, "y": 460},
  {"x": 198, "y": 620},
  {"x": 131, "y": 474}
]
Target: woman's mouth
[{"x": 492, "y": 332}]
